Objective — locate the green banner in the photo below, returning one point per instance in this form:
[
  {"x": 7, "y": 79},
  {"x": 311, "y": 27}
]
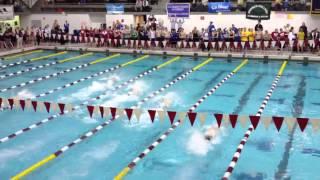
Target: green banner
[{"x": 258, "y": 10}]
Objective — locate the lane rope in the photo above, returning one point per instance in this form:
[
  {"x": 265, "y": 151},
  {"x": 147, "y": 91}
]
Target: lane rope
[
  {"x": 54, "y": 74},
  {"x": 101, "y": 126},
  {"x": 28, "y": 61},
  {"x": 133, "y": 163},
  {"x": 53, "y": 117},
  {"x": 42, "y": 66},
  {"x": 240, "y": 147},
  {"x": 21, "y": 54}
]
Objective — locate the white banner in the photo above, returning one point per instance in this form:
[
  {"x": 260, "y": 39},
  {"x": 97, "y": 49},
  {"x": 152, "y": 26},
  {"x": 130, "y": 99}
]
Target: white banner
[{"x": 6, "y": 12}]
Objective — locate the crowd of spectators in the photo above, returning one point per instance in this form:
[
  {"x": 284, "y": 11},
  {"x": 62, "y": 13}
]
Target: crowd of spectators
[{"x": 298, "y": 38}]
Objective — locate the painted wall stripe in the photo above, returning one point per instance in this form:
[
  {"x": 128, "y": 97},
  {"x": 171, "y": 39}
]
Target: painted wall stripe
[
  {"x": 238, "y": 152},
  {"x": 133, "y": 163},
  {"x": 101, "y": 126}
]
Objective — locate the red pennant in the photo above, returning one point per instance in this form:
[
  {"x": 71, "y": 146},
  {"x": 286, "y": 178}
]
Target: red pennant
[
  {"x": 113, "y": 112},
  {"x": 218, "y": 118},
  {"x": 129, "y": 113},
  {"x": 278, "y": 122},
  {"x": 22, "y": 104},
  {"x": 34, "y": 105},
  {"x": 192, "y": 117},
  {"x": 47, "y": 105},
  {"x": 61, "y": 107},
  {"x": 0, "y": 102},
  {"x": 302, "y": 123},
  {"x": 152, "y": 114},
  {"x": 233, "y": 119},
  {"x": 171, "y": 115},
  {"x": 254, "y": 121},
  {"x": 11, "y": 103},
  {"x": 101, "y": 108},
  {"x": 90, "y": 109}
]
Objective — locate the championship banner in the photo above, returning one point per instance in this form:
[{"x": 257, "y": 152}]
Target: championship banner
[
  {"x": 179, "y": 10},
  {"x": 6, "y": 12},
  {"x": 115, "y": 8},
  {"x": 258, "y": 10},
  {"x": 315, "y": 7},
  {"x": 214, "y": 7}
]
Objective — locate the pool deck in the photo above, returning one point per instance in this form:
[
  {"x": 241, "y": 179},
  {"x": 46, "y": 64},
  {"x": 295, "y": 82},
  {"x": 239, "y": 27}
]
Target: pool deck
[{"x": 270, "y": 55}]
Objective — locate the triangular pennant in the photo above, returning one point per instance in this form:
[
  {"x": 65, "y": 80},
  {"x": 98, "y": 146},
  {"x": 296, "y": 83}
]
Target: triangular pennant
[
  {"x": 315, "y": 124},
  {"x": 16, "y": 103},
  {"x": 129, "y": 113},
  {"x": 266, "y": 121},
  {"x": 218, "y": 118},
  {"x": 302, "y": 122},
  {"x": 40, "y": 106},
  {"x": 47, "y": 105},
  {"x": 254, "y": 121},
  {"x": 161, "y": 115},
  {"x": 69, "y": 107},
  {"x": 243, "y": 121},
  {"x": 290, "y": 122},
  {"x": 0, "y": 102},
  {"x": 277, "y": 122},
  {"x": 182, "y": 116},
  {"x": 11, "y": 102},
  {"x": 202, "y": 118},
  {"x": 172, "y": 115},
  {"x": 225, "y": 120},
  {"x": 101, "y": 109},
  {"x": 113, "y": 111},
  {"x": 120, "y": 112},
  {"x": 34, "y": 105},
  {"x": 106, "y": 111},
  {"x": 28, "y": 104},
  {"x": 54, "y": 107},
  {"x": 192, "y": 117},
  {"x": 22, "y": 104},
  {"x": 152, "y": 114},
  {"x": 61, "y": 107},
  {"x": 137, "y": 113},
  {"x": 233, "y": 119},
  {"x": 90, "y": 110}
]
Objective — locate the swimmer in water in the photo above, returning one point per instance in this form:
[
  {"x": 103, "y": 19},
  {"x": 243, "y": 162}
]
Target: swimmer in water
[
  {"x": 166, "y": 103},
  {"x": 211, "y": 133},
  {"x": 135, "y": 91}
]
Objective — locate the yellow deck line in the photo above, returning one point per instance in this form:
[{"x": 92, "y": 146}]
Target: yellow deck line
[
  {"x": 48, "y": 56},
  {"x": 33, "y": 167},
  {"x": 202, "y": 64},
  {"x": 283, "y": 66},
  {"x": 168, "y": 62},
  {"x": 135, "y": 60},
  {"x": 74, "y": 58},
  {"x": 104, "y": 59},
  {"x": 23, "y": 54},
  {"x": 240, "y": 66}
]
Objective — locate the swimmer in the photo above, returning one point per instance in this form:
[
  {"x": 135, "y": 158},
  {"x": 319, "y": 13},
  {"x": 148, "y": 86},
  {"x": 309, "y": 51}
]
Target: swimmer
[
  {"x": 166, "y": 103},
  {"x": 135, "y": 91},
  {"x": 211, "y": 133}
]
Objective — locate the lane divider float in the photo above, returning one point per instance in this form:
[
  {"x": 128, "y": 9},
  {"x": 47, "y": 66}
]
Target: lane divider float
[
  {"x": 43, "y": 66},
  {"x": 133, "y": 163},
  {"x": 53, "y": 117},
  {"x": 56, "y": 74},
  {"x": 103, "y": 125},
  {"x": 31, "y": 60},
  {"x": 21, "y": 54},
  {"x": 254, "y": 120}
]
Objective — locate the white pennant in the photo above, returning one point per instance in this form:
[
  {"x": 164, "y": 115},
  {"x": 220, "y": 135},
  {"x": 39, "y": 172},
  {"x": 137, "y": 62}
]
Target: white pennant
[
  {"x": 120, "y": 112},
  {"x": 228, "y": 44},
  {"x": 69, "y": 107},
  {"x": 282, "y": 43},
  {"x": 126, "y": 42},
  {"x": 53, "y": 107},
  {"x": 243, "y": 121},
  {"x": 220, "y": 44},
  {"x": 91, "y": 39},
  {"x": 185, "y": 43},
  {"x": 149, "y": 43},
  {"x": 315, "y": 124},
  {"x": 202, "y": 118},
  {"x": 182, "y": 116},
  {"x": 273, "y": 43},
  {"x": 266, "y": 43},
  {"x": 251, "y": 44},
  {"x": 161, "y": 115},
  {"x": 242, "y": 44},
  {"x": 311, "y": 42},
  {"x": 85, "y": 39},
  {"x": 102, "y": 40},
  {"x": 40, "y": 106},
  {"x": 109, "y": 40},
  {"x": 179, "y": 44},
  {"x": 266, "y": 121},
  {"x": 197, "y": 44},
  {"x": 157, "y": 43},
  {"x": 206, "y": 44},
  {"x": 137, "y": 113},
  {"x": 16, "y": 103},
  {"x": 258, "y": 44},
  {"x": 28, "y": 104},
  {"x": 106, "y": 112},
  {"x": 225, "y": 120},
  {"x": 290, "y": 122},
  {"x": 164, "y": 43}
]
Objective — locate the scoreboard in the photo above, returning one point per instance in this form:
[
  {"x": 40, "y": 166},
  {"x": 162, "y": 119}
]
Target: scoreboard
[{"x": 315, "y": 7}]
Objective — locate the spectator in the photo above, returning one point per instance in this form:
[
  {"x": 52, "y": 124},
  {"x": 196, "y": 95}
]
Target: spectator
[
  {"x": 258, "y": 35},
  {"x": 66, "y": 27},
  {"x": 266, "y": 36},
  {"x": 244, "y": 35},
  {"x": 258, "y": 26},
  {"x": 291, "y": 35},
  {"x": 301, "y": 38},
  {"x": 304, "y": 29},
  {"x": 275, "y": 35}
]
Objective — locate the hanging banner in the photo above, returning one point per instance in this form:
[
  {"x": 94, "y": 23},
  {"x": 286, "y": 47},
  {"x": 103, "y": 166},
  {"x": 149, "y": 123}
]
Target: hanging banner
[
  {"x": 115, "y": 8},
  {"x": 179, "y": 10},
  {"x": 6, "y": 12},
  {"x": 258, "y": 10},
  {"x": 214, "y": 7},
  {"x": 315, "y": 7}
]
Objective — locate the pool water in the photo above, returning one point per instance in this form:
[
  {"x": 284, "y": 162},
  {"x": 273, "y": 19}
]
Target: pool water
[{"x": 185, "y": 154}]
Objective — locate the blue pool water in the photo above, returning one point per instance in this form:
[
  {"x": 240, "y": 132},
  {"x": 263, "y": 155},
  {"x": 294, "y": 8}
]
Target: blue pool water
[{"x": 185, "y": 154}]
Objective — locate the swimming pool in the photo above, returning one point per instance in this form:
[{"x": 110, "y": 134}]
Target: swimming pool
[{"x": 174, "y": 86}]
